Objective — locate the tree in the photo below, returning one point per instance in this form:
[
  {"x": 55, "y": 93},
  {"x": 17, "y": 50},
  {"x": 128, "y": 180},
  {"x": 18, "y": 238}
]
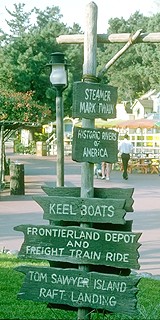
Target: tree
[
  {"x": 133, "y": 73},
  {"x": 151, "y": 55},
  {"x": 25, "y": 52},
  {"x": 23, "y": 59},
  {"x": 20, "y": 21},
  {"x": 18, "y": 106}
]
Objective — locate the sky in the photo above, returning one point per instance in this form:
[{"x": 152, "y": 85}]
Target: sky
[{"x": 74, "y": 10}]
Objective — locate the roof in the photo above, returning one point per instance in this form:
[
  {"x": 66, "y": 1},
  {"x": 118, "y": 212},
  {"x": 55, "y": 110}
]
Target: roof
[
  {"x": 148, "y": 94},
  {"x": 146, "y": 103},
  {"x": 13, "y": 125}
]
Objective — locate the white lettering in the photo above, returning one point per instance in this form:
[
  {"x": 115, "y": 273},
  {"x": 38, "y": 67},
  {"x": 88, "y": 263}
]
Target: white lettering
[
  {"x": 93, "y": 298},
  {"x": 97, "y": 94},
  {"x": 51, "y": 293},
  {"x": 32, "y": 250},
  {"x": 63, "y": 233},
  {"x": 106, "y": 108},
  {"x": 89, "y": 134},
  {"x": 110, "y": 136},
  {"x": 38, "y": 276},
  {"x": 101, "y": 211},
  {"x": 119, "y": 237},
  {"x": 112, "y": 286},
  {"x": 117, "y": 256},
  {"x": 79, "y": 254},
  {"x": 79, "y": 282},
  {"x": 79, "y": 244},
  {"x": 93, "y": 152},
  {"x": 87, "y": 107},
  {"x": 61, "y": 208}
]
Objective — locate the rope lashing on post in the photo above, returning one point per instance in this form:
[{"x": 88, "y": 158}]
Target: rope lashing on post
[{"x": 90, "y": 78}]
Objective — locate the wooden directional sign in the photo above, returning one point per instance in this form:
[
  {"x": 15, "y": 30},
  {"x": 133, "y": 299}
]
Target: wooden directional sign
[
  {"x": 94, "y": 100},
  {"x": 78, "y": 288},
  {"x": 62, "y": 191},
  {"x": 82, "y": 209},
  {"x": 115, "y": 193},
  {"x": 80, "y": 246},
  {"x": 94, "y": 145},
  {"x": 118, "y": 193}
]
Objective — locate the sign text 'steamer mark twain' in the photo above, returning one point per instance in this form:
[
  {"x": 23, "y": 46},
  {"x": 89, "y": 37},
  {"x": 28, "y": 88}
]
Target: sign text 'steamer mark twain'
[{"x": 94, "y": 100}]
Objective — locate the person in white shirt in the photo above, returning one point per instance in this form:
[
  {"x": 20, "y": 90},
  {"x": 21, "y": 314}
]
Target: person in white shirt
[{"x": 125, "y": 149}]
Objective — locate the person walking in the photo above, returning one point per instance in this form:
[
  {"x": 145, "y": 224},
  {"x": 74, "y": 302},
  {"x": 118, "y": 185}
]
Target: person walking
[
  {"x": 125, "y": 149},
  {"x": 106, "y": 170}
]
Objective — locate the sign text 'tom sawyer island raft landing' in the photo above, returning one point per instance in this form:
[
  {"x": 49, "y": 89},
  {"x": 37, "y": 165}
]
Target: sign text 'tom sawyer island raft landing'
[{"x": 109, "y": 247}]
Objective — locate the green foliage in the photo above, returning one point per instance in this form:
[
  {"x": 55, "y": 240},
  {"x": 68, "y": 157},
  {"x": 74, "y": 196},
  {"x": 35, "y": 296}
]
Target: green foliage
[
  {"x": 40, "y": 136},
  {"x": 18, "y": 106},
  {"x": 20, "y": 20},
  {"x": 25, "y": 52},
  {"x": 136, "y": 71},
  {"x": 12, "y": 308},
  {"x": 10, "y": 283},
  {"x": 20, "y": 148}
]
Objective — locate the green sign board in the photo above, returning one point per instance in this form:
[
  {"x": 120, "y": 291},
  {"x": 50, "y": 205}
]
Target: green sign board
[
  {"x": 94, "y": 145},
  {"x": 80, "y": 245},
  {"x": 115, "y": 193},
  {"x": 94, "y": 100},
  {"x": 62, "y": 191},
  {"x": 78, "y": 288},
  {"x": 118, "y": 193},
  {"x": 82, "y": 209}
]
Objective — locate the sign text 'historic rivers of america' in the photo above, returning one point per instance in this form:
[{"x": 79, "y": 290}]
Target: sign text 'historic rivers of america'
[
  {"x": 94, "y": 145},
  {"x": 94, "y": 100}
]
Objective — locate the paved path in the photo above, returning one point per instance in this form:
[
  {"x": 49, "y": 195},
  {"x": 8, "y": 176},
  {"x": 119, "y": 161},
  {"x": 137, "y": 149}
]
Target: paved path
[{"x": 16, "y": 210}]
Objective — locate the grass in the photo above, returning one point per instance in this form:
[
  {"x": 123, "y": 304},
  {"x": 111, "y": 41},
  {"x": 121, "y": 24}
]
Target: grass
[{"x": 12, "y": 308}]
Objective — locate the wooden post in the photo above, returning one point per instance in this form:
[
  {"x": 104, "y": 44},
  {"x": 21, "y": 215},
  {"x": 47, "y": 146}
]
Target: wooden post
[
  {"x": 17, "y": 179},
  {"x": 1, "y": 157},
  {"x": 89, "y": 75},
  {"x": 60, "y": 138},
  {"x": 112, "y": 38}
]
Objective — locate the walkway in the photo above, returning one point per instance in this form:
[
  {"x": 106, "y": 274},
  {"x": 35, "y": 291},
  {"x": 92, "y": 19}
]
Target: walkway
[{"x": 16, "y": 210}]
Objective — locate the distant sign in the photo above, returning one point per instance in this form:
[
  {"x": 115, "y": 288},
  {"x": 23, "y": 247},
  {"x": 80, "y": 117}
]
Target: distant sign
[
  {"x": 94, "y": 145},
  {"x": 82, "y": 209},
  {"x": 80, "y": 245},
  {"x": 78, "y": 288},
  {"x": 94, "y": 100}
]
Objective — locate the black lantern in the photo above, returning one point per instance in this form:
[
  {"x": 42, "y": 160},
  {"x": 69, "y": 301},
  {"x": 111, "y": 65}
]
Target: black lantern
[{"x": 58, "y": 76}]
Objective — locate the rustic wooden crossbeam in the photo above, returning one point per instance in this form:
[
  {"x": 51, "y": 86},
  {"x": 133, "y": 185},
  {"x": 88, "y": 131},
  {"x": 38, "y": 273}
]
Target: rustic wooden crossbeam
[{"x": 112, "y": 38}]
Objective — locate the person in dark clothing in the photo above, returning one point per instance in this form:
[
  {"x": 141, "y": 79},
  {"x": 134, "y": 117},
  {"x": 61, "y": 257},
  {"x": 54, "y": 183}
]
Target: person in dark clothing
[{"x": 125, "y": 148}]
